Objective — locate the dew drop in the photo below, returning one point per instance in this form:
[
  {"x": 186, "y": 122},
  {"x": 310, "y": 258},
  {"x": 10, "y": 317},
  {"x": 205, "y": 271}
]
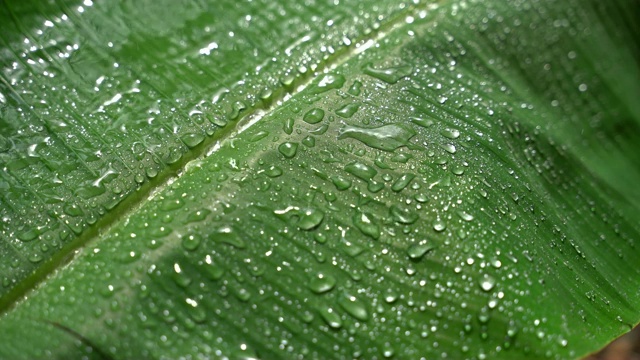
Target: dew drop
[
  {"x": 353, "y": 307},
  {"x": 191, "y": 242},
  {"x": 450, "y": 133},
  {"x": 386, "y": 137},
  {"x": 341, "y": 183},
  {"x": 439, "y": 226},
  {"x": 322, "y": 283},
  {"x": 288, "y": 149},
  {"x": 310, "y": 218},
  {"x": 328, "y": 82},
  {"x": 313, "y": 116},
  {"x": 417, "y": 251},
  {"x": 390, "y": 75},
  {"x": 402, "y": 182},
  {"x": 347, "y": 111},
  {"x": 192, "y": 139},
  {"x": 273, "y": 171},
  {"x": 331, "y": 317},
  {"x": 487, "y": 283},
  {"x": 365, "y": 223}
]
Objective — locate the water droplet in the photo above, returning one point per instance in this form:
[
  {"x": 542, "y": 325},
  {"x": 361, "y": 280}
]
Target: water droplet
[
  {"x": 422, "y": 122},
  {"x": 228, "y": 235},
  {"x": 72, "y": 209},
  {"x": 313, "y": 116},
  {"x": 387, "y": 350},
  {"x": 273, "y": 171},
  {"x": 450, "y": 133},
  {"x": 347, "y": 111},
  {"x": 309, "y": 141},
  {"x": 35, "y": 257},
  {"x": 288, "y": 149},
  {"x": 391, "y": 296},
  {"x": 439, "y": 225},
  {"x": 197, "y": 215},
  {"x": 341, "y": 183},
  {"x": 354, "y": 307},
  {"x": 365, "y": 223},
  {"x": 192, "y": 139},
  {"x": 258, "y": 136},
  {"x": 386, "y": 137},
  {"x": 457, "y": 170},
  {"x": 355, "y": 88},
  {"x": 487, "y": 283},
  {"x": 402, "y": 182},
  {"x": 450, "y": 148},
  {"x": 191, "y": 242},
  {"x": 403, "y": 216},
  {"x": 328, "y": 82},
  {"x": 417, "y": 251},
  {"x": 465, "y": 216},
  {"x": 28, "y": 235},
  {"x": 362, "y": 171},
  {"x": 288, "y": 126},
  {"x": 196, "y": 312},
  {"x": 389, "y": 75},
  {"x": 322, "y": 283},
  {"x": 310, "y": 218},
  {"x": 331, "y": 317}
]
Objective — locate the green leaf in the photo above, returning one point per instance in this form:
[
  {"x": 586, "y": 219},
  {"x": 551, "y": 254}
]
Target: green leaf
[{"x": 323, "y": 180}]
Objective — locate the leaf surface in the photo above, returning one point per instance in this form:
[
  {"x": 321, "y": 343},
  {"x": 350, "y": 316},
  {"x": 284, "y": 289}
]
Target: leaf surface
[{"x": 452, "y": 180}]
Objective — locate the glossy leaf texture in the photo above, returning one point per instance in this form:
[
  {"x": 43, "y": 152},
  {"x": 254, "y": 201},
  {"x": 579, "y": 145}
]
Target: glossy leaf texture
[{"x": 456, "y": 182}]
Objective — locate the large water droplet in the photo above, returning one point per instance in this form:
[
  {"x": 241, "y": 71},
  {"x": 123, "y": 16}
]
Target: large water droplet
[
  {"x": 322, "y": 283},
  {"x": 191, "y": 242},
  {"x": 487, "y": 283},
  {"x": 417, "y": 251},
  {"x": 354, "y": 307},
  {"x": 288, "y": 149},
  {"x": 310, "y": 218},
  {"x": 389, "y": 75},
  {"x": 347, "y": 111},
  {"x": 328, "y": 82},
  {"x": 362, "y": 171},
  {"x": 313, "y": 116},
  {"x": 402, "y": 182},
  {"x": 365, "y": 223},
  {"x": 331, "y": 317},
  {"x": 386, "y": 137}
]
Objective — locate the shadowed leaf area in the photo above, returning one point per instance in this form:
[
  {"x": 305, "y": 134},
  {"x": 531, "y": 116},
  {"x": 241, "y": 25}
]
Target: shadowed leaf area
[{"x": 284, "y": 180}]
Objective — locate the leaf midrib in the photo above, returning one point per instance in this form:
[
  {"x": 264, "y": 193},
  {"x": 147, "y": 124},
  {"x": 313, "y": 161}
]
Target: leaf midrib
[{"x": 132, "y": 203}]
